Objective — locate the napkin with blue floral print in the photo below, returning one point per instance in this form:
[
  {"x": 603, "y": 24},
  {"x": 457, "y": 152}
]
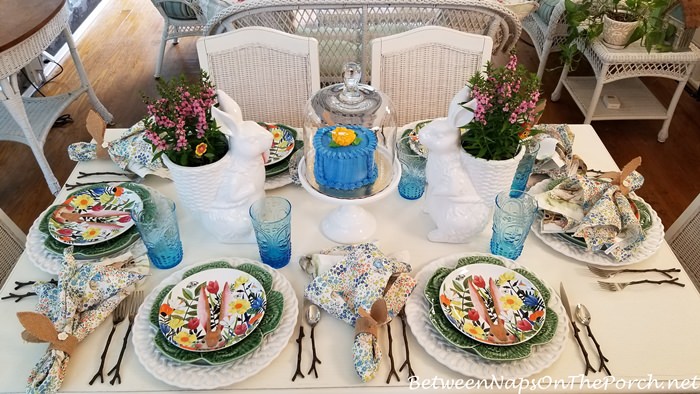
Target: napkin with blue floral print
[
  {"x": 599, "y": 207},
  {"x": 86, "y": 294},
  {"x": 130, "y": 151},
  {"x": 349, "y": 289}
]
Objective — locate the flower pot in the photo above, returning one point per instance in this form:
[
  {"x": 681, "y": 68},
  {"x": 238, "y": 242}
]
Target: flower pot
[
  {"x": 615, "y": 33},
  {"x": 197, "y": 186},
  {"x": 491, "y": 177}
]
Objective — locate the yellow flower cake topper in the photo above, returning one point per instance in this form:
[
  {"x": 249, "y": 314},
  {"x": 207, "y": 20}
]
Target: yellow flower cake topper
[{"x": 342, "y": 136}]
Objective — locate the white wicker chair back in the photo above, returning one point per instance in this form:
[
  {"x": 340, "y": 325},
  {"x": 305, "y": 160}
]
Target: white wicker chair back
[
  {"x": 269, "y": 73},
  {"x": 344, "y": 28},
  {"x": 12, "y": 241},
  {"x": 684, "y": 238},
  {"x": 422, "y": 69}
]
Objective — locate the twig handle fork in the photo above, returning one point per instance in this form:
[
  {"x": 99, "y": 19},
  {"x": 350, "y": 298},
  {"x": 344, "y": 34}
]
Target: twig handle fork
[
  {"x": 603, "y": 359},
  {"x": 103, "y": 357}
]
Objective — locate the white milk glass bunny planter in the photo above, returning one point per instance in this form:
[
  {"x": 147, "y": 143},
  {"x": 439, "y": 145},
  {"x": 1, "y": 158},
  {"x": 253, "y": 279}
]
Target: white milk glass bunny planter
[
  {"x": 244, "y": 180},
  {"x": 221, "y": 193},
  {"x": 451, "y": 199}
]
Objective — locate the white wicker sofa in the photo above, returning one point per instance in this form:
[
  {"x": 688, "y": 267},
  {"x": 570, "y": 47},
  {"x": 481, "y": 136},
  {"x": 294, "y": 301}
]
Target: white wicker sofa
[{"x": 344, "y": 28}]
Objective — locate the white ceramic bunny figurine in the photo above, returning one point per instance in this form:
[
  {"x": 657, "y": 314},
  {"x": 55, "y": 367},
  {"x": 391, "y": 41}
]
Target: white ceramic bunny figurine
[
  {"x": 451, "y": 199},
  {"x": 243, "y": 181}
]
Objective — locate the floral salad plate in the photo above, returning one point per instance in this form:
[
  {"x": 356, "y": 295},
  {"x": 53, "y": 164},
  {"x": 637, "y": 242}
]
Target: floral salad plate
[
  {"x": 212, "y": 310},
  {"x": 492, "y": 304},
  {"x": 93, "y": 215},
  {"x": 460, "y": 353},
  {"x": 181, "y": 336},
  {"x": 283, "y": 141},
  {"x": 485, "y": 349},
  {"x": 47, "y": 253}
]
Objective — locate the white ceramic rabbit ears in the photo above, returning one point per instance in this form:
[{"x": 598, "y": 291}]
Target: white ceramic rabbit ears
[
  {"x": 457, "y": 114},
  {"x": 228, "y": 114}
]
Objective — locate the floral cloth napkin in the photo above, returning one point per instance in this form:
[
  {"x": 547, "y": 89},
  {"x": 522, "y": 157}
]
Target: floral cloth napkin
[
  {"x": 598, "y": 208},
  {"x": 556, "y": 149},
  {"x": 350, "y": 288},
  {"x": 130, "y": 152},
  {"x": 66, "y": 313}
]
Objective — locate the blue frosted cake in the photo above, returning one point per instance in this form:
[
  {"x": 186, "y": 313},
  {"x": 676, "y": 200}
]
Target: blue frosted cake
[{"x": 345, "y": 157}]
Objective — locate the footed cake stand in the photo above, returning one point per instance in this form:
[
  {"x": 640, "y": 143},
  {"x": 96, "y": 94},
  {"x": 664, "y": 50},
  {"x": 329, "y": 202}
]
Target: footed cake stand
[{"x": 350, "y": 223}]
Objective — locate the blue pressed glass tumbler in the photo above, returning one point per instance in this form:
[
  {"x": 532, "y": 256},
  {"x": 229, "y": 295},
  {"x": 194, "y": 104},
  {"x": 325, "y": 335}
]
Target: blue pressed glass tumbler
[
  {"x": 512, "y": 217},
  {"x": 157, "y": 225},
  {"x": 522, "y": 174},
  {"x": 272, "y": 222},
  {"x": 412, "y": 182}
]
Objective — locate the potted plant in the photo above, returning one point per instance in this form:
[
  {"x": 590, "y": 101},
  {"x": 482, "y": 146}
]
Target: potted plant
[
  {"x": 183, "y": 133},
  {"x": 507, "y": 106},
  {"x": 180, "y": 125},
  {"x": 618, "y": 23}
]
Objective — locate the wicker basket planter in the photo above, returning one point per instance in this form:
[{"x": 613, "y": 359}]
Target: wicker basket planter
[{"x": 491, "y": 177}]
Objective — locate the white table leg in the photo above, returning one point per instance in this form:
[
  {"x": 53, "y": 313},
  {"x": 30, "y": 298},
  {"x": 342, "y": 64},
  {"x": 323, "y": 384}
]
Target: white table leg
[
  {"x": 85, "y": 82},
  {"x": 12, "y": 99},
  {"x": 663, "y": 133}
]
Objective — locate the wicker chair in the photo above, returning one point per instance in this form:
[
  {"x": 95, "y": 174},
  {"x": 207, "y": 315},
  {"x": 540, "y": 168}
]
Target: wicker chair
[
  {"x": 422, "y": 69},
  {"x": 270, "y": 74},
  {"x": 344, "y": 28},
  {"x": 683, "y": 238},
  {"x": 181, "y": 18},
  {"x": 547, "y": 29},
  {"x": 12, "y": 241}
]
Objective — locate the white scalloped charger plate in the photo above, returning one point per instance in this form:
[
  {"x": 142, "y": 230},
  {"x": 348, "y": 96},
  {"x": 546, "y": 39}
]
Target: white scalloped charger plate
[
  {"x": 651, "y": 244},
  {"x": 202, "y": 377},
  {"x": 417, "y": 308}
]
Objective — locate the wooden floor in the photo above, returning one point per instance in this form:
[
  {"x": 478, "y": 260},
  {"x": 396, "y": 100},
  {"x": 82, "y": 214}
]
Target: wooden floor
[{"x": 119, "y": 53}]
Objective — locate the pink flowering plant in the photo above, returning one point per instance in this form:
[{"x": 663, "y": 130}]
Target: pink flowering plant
[
  {"x": 507, "y": 107},
  {"x": 180, "y": 125}
]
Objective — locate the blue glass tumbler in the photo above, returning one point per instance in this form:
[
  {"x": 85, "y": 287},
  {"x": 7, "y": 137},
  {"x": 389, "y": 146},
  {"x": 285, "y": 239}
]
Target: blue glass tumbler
[
  {"x": 412, "y": 182},
  {"x": 157, "y": 225},
  {"x": 522, "y": 174},
  {"x": 272, "y": 222},
  {"x": 512, "y": 217}
]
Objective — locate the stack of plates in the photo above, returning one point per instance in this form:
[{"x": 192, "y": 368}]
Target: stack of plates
[
  {"x": 94, "y": 220},
  {"x": 215, "y": 324},
  {"x": 284, "y": 145},
  {"x": 576, "y": 248},
  {"x": 483, "y": 315}
]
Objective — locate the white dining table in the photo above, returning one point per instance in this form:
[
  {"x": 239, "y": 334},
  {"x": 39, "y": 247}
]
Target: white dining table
[{"x": 648, "y": 332}]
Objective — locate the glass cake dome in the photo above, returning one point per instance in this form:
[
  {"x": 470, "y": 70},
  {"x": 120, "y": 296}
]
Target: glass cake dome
[{"x": 349, "y": 139}]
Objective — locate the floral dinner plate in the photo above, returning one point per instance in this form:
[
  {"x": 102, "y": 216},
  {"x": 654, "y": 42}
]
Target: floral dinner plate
[
  {"x": 212, "y": 310},
  {"x": 283, "y": 140},
  {"x": 492, "y": 304},
  {"x": 95, "y": 215}
]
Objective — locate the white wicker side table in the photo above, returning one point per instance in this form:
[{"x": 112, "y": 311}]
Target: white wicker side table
[
  {"x": 28, "y": 27},
  {"x": 617, "y": 73}
]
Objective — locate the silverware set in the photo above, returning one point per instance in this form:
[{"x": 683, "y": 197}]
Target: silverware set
[
  {"x": 126, "y": 309},
  {"x": 19, "y": 285},
  {"x": 584, "y": 317},
  {"x": 312, "y": 315},
  {"x": 619, "y": 286}
]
